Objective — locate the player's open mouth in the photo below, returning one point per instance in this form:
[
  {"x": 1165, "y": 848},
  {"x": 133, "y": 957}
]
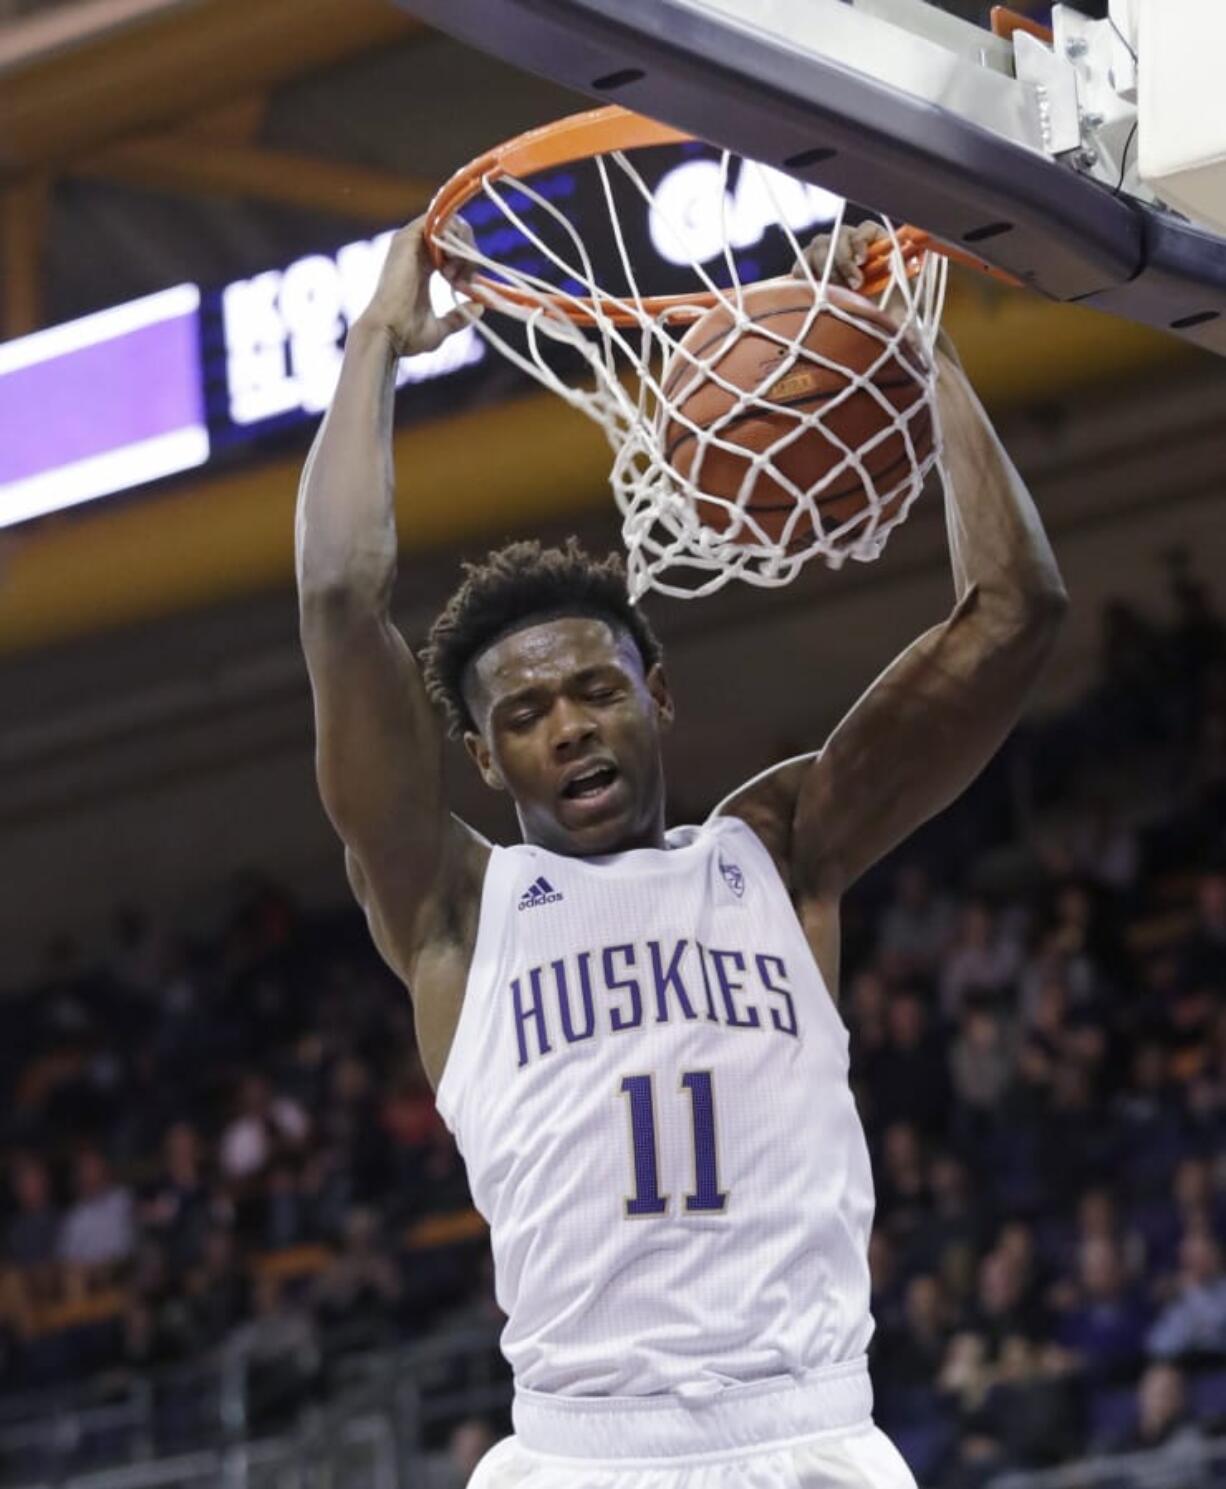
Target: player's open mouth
[{"x": 591, "y": 784}]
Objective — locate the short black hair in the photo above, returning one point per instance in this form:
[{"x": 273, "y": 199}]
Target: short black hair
[{"x": 509, "y": 587}]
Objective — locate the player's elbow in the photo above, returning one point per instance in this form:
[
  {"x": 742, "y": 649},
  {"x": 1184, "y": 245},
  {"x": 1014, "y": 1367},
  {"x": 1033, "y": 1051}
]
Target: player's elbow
[
  {"x": 1022, "y": 635},
  {"x": 1025, "y": 614}
]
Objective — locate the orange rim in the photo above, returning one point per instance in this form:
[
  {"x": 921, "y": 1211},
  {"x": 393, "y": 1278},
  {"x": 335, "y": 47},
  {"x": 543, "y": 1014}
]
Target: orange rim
[{"x": 597, "y": 132}]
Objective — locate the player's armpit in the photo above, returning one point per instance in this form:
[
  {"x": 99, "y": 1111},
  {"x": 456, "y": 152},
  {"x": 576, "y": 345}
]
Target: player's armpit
[
  {"x": 767, "y": 803},
  {"x": 916, "y": 739}
]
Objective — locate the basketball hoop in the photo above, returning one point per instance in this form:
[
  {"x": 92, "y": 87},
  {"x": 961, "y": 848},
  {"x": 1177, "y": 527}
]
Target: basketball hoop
[{"x": 612, "y": 351}]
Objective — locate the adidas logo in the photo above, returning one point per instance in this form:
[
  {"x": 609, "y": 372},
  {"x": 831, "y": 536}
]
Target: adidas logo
[{"x": 539, "y": 892}]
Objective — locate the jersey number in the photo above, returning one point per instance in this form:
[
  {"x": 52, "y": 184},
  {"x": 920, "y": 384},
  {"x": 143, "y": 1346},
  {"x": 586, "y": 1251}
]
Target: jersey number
[{"x": 707, "y": 1197}]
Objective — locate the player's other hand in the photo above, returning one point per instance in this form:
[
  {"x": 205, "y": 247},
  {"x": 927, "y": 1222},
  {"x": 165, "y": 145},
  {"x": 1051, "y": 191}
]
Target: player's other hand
[
  {"x": 850, "y": 251},
  {"x": 401, "y": 303}
]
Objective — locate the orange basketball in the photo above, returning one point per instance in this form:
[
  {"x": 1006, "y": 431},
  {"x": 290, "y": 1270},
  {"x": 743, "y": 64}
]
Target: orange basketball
[{"x": 750, "y": 361}]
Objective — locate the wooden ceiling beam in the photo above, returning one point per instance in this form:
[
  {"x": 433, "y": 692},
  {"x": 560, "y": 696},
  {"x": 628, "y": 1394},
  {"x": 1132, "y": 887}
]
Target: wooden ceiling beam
[
  {"x": 236, "y": 122},
  {"x": 186, "y": 164},
  {"x": 23, "y": 228},
  {"x": 156, "y": 71}
]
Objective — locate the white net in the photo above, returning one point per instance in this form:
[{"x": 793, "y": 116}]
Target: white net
[{"x": 719, "y": 476}]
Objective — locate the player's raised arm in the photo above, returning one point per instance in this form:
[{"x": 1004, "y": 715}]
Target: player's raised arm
[
  {"x": 378, "y": 741},
  {"x": 931, "y": 722}
]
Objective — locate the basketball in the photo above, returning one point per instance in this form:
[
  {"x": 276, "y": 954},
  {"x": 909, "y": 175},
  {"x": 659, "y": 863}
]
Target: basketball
[{"x": 777, "y": 401}]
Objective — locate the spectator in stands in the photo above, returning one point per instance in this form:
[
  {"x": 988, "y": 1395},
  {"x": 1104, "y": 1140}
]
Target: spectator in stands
[
  {"x": 1098, "y": 1219},
  {"x": 1193, "y": 1324},
  {"x": 1003, "y": 1306},
  {"x": 325, "y": 1190},
  {"x": 909, "y": 1074},
  {"x": 885, "y": 1282},
  {"x": 1163, "y": 1424},
  {"x": 982, "y": 1059},
  {"x": 916, "y": 926},
  {"x": 1148, "y": 1124},
  {"x": 1075, "y": 1141},
  {"x": 349, "y": 1122},
  {"x": 264, "y": 1127},
  {"x": 982, "y": 959},
  {"x": 1105, "y": 848},
  {"x": 1192, "y": 1204},
  {"x": 99, "y": 1229},
  {"x": 957, "y": 1220},
  {"x": 902, "y": 1188},
  {"x": 155, "y": 1324},
  {"x": 33, "y": 1232},
  {"x": 866, "y": 1021},
  {"x": 281, "y": 1218},
  {"x": 1103, "y": 1320},
  {"x": 356, "y": 1296},
  {"x": 215, "y": 1290},
  {"x": 409, "y": 1118},
  {"x": 470, "y": 1440},
  {"x": 279, "y": 1352},
  {"x": 910, "y": 1354},
  {"x": 1016, "y": 1239},
  {"x": 176, "y": 1207},
  {"x": 1202, "y": 956},
  {"x": 1030, "y": 1407}
]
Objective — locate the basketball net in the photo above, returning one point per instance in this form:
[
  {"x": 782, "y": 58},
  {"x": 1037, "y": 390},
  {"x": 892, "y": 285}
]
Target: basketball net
[{"x": 624, "y": 346}]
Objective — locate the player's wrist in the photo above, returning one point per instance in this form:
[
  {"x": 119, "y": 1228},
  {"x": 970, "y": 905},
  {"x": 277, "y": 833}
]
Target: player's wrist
[{"x": 374, "y": 333}]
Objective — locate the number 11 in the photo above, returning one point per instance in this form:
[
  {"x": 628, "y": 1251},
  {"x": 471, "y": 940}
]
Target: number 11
[{"x": 707, "y": 1197}]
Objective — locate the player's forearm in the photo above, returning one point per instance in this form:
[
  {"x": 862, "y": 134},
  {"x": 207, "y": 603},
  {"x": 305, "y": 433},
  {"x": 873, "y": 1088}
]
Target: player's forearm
[
  {"x": 997, "y": 542},
  {"x": 345, "y": 533}
]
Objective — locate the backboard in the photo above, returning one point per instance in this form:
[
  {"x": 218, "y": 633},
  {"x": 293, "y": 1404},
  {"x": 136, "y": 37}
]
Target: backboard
[{"x": 1018, "y": 146}]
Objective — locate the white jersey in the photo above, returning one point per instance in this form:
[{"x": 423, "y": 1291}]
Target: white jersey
[{"x": 648, "y": 1084}]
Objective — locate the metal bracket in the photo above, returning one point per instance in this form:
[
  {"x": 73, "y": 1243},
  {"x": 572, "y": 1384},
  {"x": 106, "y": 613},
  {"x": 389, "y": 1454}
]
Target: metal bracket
[{"x": 1055, "y": 85}]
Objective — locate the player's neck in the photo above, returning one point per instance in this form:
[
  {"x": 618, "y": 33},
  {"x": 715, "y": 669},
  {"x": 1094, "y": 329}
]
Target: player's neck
[{"x": 651, "y": 836}]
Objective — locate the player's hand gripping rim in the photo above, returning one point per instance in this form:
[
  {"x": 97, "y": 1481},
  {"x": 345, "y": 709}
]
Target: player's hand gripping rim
[
  {"x": 851, "y": 250},
  {"x": 401, "y": 304}
]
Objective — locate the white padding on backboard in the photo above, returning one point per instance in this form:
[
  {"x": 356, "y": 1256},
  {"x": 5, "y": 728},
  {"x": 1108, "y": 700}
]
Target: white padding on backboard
[{"x": 1181, "y": 128}]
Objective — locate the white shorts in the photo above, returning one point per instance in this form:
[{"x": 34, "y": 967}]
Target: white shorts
[{"x": 814, "y": 1432}]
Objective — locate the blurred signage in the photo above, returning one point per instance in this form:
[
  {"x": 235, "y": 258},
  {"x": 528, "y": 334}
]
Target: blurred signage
[
  {"x": 100, "y": 404},
  {"x": 281, "y": 335}
]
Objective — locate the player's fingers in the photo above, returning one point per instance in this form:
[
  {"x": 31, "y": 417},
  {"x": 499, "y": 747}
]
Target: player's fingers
[
  {"x": 813, "y": 258},
  {"x": 456, "y": 320},
  {"x": 458, "y": 274},
  {"x": 847, "y": 263}
]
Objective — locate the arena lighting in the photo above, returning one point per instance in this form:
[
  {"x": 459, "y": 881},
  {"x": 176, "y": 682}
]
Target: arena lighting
[{"x": 99, "y": 404}]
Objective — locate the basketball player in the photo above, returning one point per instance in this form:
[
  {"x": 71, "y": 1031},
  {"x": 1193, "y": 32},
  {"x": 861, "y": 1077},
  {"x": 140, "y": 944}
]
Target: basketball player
[{"x": 633, "y": 1034}]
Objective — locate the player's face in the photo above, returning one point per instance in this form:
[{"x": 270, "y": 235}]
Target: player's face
[{"x": 570, "y": 726}]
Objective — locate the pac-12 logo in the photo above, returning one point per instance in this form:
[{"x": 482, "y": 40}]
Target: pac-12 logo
[{"x": 732, "y": 876}]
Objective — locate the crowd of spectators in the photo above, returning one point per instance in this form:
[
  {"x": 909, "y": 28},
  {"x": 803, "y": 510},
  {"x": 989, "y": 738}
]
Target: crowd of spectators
[
  {"x": 1039, "y": 1053},
  {"x": 226, "y": 1146}
]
